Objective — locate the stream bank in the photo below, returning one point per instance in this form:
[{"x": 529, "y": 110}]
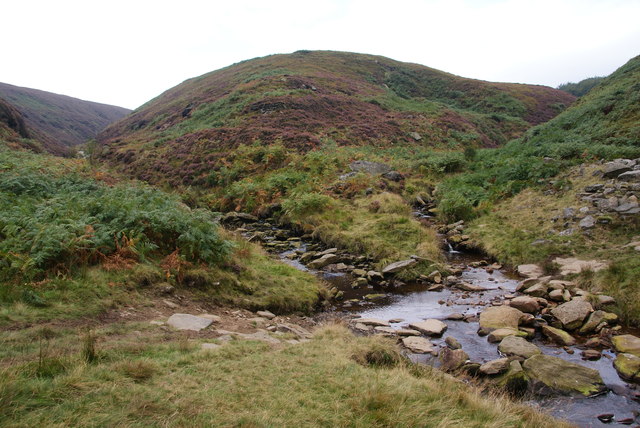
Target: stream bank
[{"x": 362, "y": 294}]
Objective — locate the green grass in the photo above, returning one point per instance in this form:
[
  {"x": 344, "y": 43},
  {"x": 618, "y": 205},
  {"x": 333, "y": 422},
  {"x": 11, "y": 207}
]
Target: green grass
[{"x": 318, "y": 383}]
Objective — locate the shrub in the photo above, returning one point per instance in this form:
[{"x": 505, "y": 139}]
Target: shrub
[{"x": 299, "y": 204}]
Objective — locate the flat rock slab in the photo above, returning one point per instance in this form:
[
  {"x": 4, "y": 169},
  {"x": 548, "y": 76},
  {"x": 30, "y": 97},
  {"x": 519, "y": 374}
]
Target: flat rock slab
[
  {"x": 497, "y": 317},
  {"x": 627, "y": 343},
  {"x": 513, "y": 345},
  {"x": 372, "y": 321},
  {"x": 573, "y": 313},
  {"x": 571, "y": 265},
  {"x": 552, "y": 375},
  {"x": 301, "y": 332},
  {"x": 530, "y": 271},
  {"x": 494, "y": 367},
  {"x": 430, "y": 327},
  {"x": 418, "y": 345},
  {"x": 188, "y": 322},
  {"x": 266, "y": 314},
  {"x": 497, "y": 336},
  {"x": 558, "y": 336},
  {"x": 398, "y": 266}
]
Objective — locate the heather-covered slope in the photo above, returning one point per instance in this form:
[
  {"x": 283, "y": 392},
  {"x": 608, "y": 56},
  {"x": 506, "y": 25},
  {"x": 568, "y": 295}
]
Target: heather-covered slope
[
  {"x": 306, "y": 98},
  {"x": 59, "y": 121}
]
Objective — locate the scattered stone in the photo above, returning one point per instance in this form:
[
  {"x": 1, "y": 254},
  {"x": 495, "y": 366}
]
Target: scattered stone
[
  {"x": 393, "y": 176},
  {"x": 497, "y": 317},
  {"x": 388, "y": 331},
  {"x": 266, "y": 314},
  {"x": 452, "y": 360},
  {"x": 470, "y": 287},
  {"x": 627, "y": 343},
  {"x": 628, "y": 367},
  {"x": 430, "y": 327},
  {"x": 363, "y": 328},
  {"x": 525, "y": 304},
  {"x": 170, "y": 304},
  {"x": 407, "y": 332},
  {"x": 589, "y": 222},
  {"x": 519, "y": 347},
  {"x": 605, "y": 300},
  {"x": 591, "y": 354},
  {"x": 573, "y": 313},
  {"x": 630, "y": 176},
  {"x": 556, "y": 295},
  {"x": 530, "y": 271},
  {"x": 324, "y": 261},
  {"x": 537, "y": 290},
  {"x": 595, "y": 320},
  {"x": 373, "y": 168},
  {"x": 605, "y": 418},
  {"x": 549, "y": 375},
  {"x": 495, "y": 367},
  {"x": 452, "y": 342},
  {"x": 372, "y": 321},
  {"x": 398, "y": 266},
  {"x": 419, "y": 345},
  {"x": 614, "y": 168},
  {"x": 436, "y": 287},
  {"x": 496, "y": 336},
  {"x": 301, "y": 332},
  {"x": 558, "y": 336},
  {"x": 415, "y": 136},
  {"x": 456, "y": 316},
  {"x": 188, "y": 322}
]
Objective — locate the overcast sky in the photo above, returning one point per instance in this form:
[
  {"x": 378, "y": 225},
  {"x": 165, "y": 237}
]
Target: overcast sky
[{"x": 125, "y": 52}]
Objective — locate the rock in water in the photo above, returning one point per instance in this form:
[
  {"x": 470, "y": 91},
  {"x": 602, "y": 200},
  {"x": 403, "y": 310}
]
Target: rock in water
[
  {"x": 323, "y": 261},
  {"x": 558, "y": 336},
  {"x": 418, "y": 345},
  {"x": 513, "y": 345},
  {"x": 495, "y": 367},
  {"x": 496, "y": 336},
  {"x": 398, "y": 266},
  {"x": 627, "y": 343},
  {"x": 525, "y": 304},
  {"x": 188, "y": 322},
  {"x": 497, "y": 317},
  {"x": 628, "y": 367},
  {"x": 553, "y": 375},
  {"x": 572, "y": 314},
  {"x": 452, "y": 359},
  {"x": 430, "y": 327}
]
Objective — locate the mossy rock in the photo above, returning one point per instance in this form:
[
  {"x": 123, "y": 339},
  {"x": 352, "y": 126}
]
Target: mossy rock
[
  {"x": 628, "y": 367},
  {"x": 552, "y": 375}
]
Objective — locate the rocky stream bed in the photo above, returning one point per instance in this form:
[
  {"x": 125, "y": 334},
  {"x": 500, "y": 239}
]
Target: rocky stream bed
[{"x": 537, "y": 336}]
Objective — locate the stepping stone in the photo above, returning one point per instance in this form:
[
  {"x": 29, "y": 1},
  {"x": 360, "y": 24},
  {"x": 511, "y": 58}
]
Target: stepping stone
[{"x": 430, "y": 327}]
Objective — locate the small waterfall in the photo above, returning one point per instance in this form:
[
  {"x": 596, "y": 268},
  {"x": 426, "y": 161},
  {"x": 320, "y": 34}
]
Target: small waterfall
[{"x": 451, "y": 250}]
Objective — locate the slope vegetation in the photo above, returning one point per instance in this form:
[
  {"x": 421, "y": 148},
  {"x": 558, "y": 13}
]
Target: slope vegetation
[
  {"x": 307, "y": 98},
  {"x": 59, "y": 121}
]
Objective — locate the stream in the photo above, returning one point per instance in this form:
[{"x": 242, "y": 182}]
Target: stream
[{"x": 413, "y": 302}]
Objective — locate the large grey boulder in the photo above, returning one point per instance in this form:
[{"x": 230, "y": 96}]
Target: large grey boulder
[
  {"x": 630, "y": 176},
  {"x": 497, "y": 317},
  {"x": 398, "y": 266},
  {"x": 519, "y": 347},
  {"x": 552, "y": 375},
  {"x": 188, "y": 322},
  {"x": 572, "y": 314},
  {"x": 430, "y": 327},
  {"x": 615, "y": 168}
]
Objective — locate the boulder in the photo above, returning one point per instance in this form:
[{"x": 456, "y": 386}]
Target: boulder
[
  {"x": 614, "y": 168},
  {"x": 323, "y": 261},
  {"x": 514, "y": 380},
  {"x": 628, "y": 367},
  {"x": 630, "y": 176},
  {"x": 519, "y": 347},
  {"x": 573, "y": 313},
  {"x": 418, "y": 345},
  {"x": 430, "y": 327},
  {"x": 494, "y": 367},
  {"x": 556, "y": 295},
  {"x": 188, "y": 322},
  {"x": 558, "y": 336},
  {"x": 266, "y": 314},
  {"x": 496, "y": 336},
  {"x": 530, "y": 271},
  {"x": 627, "y": 343},
  {"x": 299, "y": 331},
  {"x": 407, "y": 332},
  {"x": 551, "y": 375},
  {"x": 452, "y": 360},
  {"x": 497, "y": 317},
  {"x": 393, "y": 176},
  {"x": 398, "y": 266},
  {"x": 595, "y": 320},
  {"x": 525, "y": 304},
  {"x": 537, "y": 290},
  {"x": 589, "y": 222},
  {"x": 452, "y": 342}
]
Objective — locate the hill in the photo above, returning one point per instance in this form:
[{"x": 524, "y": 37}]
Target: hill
[
  {"x": 307, "y": 98},
  {"x": 59, "y": 121},
  {"x": 582, "y": 87}
]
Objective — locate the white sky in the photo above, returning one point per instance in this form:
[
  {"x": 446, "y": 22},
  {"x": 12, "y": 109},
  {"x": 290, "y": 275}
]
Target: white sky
[{"x": 125, "y": 52}]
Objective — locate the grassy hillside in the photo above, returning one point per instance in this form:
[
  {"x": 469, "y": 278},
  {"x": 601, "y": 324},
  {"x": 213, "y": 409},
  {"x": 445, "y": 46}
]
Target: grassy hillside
[
  {"x": 307, "y": 99},
  {"x": 58, "y": 121}
]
